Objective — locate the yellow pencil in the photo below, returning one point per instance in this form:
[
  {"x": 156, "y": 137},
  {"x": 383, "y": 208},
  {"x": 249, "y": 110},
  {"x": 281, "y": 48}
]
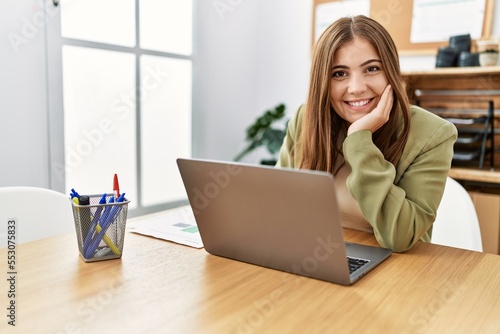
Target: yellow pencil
[{"x": 108, "y": 241}]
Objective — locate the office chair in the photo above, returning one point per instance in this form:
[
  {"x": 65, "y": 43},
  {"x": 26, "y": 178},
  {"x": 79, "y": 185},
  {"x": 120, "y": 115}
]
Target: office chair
[
  {"x": 39, "y": 213},
  {"x": 456, "y": 224}
]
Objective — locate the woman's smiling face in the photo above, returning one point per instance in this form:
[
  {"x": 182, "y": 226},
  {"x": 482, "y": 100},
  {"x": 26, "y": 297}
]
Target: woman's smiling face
[{"x": 358, "y": 80}]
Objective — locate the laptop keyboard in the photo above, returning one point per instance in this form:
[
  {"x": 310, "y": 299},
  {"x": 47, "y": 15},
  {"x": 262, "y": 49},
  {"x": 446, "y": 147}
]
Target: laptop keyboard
[{"x": 355, "y": 263}]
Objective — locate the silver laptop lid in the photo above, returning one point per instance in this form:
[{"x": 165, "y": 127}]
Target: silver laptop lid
[{"x": 278, "y": 218}]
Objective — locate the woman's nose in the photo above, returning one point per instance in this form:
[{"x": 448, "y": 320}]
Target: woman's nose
[{"x": 357, "y": 84}]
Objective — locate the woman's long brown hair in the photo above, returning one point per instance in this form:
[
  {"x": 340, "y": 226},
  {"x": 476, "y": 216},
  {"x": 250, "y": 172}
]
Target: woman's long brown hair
[{"x": 321, "y": 125}]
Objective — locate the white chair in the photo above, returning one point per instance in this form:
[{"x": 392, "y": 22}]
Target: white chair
[
  {"x": 456, "y": 223},
  {"x": 39, "y": 213}
]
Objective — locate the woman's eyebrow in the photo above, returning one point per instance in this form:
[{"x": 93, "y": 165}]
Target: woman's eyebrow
[
  {"x": 369, "y": 61},
  {"x": 340, "y": 66}
]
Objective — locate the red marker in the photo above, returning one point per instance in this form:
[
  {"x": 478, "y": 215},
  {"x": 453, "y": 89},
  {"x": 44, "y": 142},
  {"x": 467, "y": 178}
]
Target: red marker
[{"x": 116, "y": 186}]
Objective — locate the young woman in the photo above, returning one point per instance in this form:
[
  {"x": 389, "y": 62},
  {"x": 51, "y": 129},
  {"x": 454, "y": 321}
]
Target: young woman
[{"x": 390, "y": 159}]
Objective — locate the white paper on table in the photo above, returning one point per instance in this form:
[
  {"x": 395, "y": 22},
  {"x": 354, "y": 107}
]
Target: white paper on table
[{"x": 177, "y": 225}]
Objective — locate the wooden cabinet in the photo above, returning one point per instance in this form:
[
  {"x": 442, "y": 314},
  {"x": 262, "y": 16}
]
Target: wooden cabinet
[
  {"x": 463, "y": 92},
  {"x": 488, "y": 213},
  {"x": 468, "y": 86},
  {"x": 482, "y": 80}
]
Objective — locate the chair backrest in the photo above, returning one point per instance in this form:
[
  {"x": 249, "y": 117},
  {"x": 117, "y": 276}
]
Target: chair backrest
[
  {"x": 39, "y": 213},
  {"x": 456, "y": 223}
]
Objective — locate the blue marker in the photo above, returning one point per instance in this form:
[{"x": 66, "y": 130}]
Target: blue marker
[
  {"x": 102, "y": 218},
  {"x": 106, "y": 212},
  {"x": 91, "y": 230},
  {"x": 74, "y": 194}
]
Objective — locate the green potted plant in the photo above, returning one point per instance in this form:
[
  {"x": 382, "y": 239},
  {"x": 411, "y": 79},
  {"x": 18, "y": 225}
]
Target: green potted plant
[{"x": 265, "y": 132}]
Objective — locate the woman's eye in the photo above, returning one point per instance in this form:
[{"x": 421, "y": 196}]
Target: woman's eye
[
  {"x": 339, "y": 74},
  {"x": 373, "y": 69}
]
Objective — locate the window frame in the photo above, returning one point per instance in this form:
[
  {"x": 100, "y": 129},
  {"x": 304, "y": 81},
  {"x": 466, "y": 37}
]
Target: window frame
[{"x": 55, "y": 42}]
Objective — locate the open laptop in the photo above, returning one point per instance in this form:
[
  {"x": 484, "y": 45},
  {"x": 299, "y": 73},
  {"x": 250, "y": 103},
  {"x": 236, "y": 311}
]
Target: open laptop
[{"x": 285, "y": 219}]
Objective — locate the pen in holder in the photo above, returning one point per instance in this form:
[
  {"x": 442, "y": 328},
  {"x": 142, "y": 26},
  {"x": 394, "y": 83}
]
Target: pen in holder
[{"x": 100, "y": 226}]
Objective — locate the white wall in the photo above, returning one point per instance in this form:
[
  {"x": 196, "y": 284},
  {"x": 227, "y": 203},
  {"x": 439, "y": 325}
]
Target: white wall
[
  {"x": 225, "y": 77},
  {"x": 248, "y": 58},
  {"x": 24, "y": 145},
  {"x": 283, "y": 53}
]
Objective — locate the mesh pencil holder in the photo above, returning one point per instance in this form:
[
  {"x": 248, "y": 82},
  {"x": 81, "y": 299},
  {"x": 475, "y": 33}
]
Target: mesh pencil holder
[{"x": 100, "y": 228}]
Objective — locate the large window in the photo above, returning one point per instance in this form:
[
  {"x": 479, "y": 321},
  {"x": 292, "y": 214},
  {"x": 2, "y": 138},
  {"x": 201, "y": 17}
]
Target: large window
[{"x": 127, "y": 78}]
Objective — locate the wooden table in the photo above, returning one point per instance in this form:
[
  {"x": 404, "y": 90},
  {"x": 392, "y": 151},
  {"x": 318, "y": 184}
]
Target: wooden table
[{"x": 162, "y": 287}]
